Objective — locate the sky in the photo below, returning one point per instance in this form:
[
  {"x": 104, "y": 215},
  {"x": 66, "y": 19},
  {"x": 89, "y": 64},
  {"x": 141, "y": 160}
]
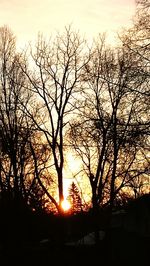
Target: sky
[{"x": 28, "y": 17}]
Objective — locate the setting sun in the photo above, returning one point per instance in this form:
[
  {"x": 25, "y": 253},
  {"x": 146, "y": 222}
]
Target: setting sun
[{"x": 65, "y": 205}]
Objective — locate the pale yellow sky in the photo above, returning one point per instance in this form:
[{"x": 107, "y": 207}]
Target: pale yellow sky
[{"x": 27, "y": 17}]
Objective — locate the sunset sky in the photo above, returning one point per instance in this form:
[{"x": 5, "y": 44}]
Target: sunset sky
[{"x": 27, "y": 17}]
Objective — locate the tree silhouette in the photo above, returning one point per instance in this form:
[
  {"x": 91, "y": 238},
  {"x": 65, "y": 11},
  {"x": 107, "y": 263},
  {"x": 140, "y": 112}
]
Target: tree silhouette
[
  {"x": 59, "y": 66},
  {"x": 15, "y": 127},
  {"x": 17, "y": 130},
  {"x": 74, "y": 198},
  {"x": 100, "y": 96},
  {"x": 109, "y": 133}
]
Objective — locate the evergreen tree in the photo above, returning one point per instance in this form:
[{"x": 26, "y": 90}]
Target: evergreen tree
[{"x": 74, "y": 198}]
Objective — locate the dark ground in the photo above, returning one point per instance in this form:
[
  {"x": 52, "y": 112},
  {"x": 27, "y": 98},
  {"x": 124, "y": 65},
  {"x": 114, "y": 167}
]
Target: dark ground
[
  {"x": 20, "y": 240},
  {"x": 126, "y": 249}
]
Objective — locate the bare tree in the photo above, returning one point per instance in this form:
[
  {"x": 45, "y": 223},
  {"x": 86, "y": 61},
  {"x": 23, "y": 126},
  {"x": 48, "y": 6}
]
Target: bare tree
[
  {"x": 14, "y": 127},
  {"x": 56, "y": 80},
  {"x": 136, "y": 41},
  {"x": 17, "y": 131},
  {"x": 109, "y": 132}
]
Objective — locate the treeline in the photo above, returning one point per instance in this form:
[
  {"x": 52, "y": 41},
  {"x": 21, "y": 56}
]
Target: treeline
[{"x": 62, "y": 95}]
